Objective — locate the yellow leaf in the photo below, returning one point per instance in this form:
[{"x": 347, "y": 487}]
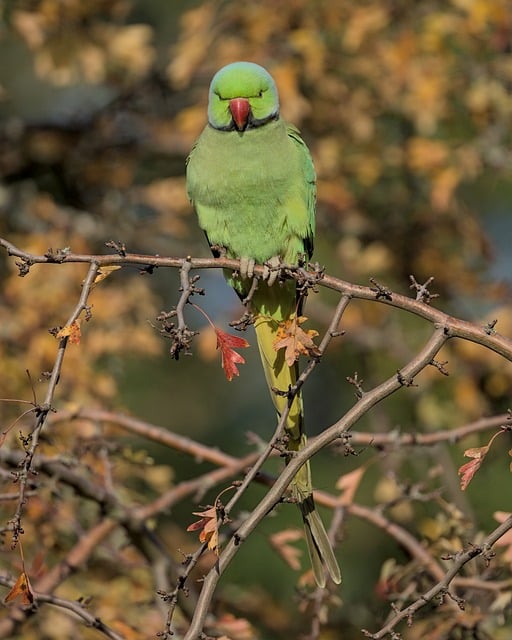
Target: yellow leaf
[{"x": 104, "y": 272}]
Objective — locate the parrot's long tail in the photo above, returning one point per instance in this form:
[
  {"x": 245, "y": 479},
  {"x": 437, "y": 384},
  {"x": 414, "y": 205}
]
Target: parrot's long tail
[{"x": 280, "y": 376}]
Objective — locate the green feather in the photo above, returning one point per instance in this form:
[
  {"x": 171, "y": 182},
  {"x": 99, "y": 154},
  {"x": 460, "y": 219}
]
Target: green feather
[{"x": 253, "y": 187}]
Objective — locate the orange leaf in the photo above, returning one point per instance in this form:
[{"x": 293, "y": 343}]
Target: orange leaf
[
  {"x": 21, "y": 589},
  {"x": 506, "y": 539},
  {"x": 209, "y": 527},
  {"x": 71, "y": 331},
  {"x": 128, "y": 632},
  {"x": 227, "y": 344},
  {"x": 288, "y": 553},
  {"x": 37, "y": 566},
  {"x": 235, "y": 628},
  {"x": 348, "y": 484},
  {"x": 295, "y": 341}
]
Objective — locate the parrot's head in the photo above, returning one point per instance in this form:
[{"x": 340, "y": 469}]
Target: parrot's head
[{"x": 243, "y": 95}]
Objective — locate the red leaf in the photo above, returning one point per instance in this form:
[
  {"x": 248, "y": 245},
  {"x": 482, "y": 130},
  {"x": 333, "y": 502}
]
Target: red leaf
[
  {"x": 227, "y": 344},
  {"x": 468, "y": 470}
]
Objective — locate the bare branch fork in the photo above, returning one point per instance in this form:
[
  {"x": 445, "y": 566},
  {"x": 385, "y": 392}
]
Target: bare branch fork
[{"x": 445, "y": 327}]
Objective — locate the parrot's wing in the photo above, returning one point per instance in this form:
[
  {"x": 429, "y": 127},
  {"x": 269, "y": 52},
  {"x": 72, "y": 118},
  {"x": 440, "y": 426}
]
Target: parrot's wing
[{"x": 310, "y": 181}]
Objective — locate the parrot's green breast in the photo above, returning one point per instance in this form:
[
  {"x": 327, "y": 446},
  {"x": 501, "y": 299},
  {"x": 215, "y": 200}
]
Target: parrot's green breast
[{"x": 250, "y": 191}]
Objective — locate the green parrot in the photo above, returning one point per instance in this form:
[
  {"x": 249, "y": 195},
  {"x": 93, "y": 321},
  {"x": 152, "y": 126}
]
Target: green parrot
[{"x": 251, "y": 180}]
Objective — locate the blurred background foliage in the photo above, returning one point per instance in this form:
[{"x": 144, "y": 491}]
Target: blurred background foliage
[{"x": 406, "y": 108}]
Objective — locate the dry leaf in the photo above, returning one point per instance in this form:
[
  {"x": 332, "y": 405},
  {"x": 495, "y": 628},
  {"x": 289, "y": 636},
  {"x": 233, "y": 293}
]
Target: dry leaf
[
  {"x": 235, "y": 628},
  {"x": 104, "y": 272},
  {"x": 209, "y": 526},
  {"x": 227, "y": 344},
  {"x": 295, "y": 340},
  {"x": 71, "y": 331},
  {"x": 468, "y": 470},
  {"x": 21, "y": 589},
  {"x": 348, "y": 484},
  {"x": 127, "y": 631},
  {"x": 506, "y": 539},
  {"x": 280, "y": 542}
]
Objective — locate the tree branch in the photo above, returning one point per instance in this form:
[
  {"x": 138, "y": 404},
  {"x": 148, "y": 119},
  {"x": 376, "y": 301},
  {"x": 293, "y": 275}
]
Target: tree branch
[
  {"x": 441, "y": 588},
  {"x": 453, "y": 326}
]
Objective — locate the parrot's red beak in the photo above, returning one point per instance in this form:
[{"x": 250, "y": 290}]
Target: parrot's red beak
[{"x": 240, "y": 109}]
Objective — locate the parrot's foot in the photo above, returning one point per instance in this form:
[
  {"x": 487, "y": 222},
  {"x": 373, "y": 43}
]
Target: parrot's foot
[
  {"x": 218, "y": 251},
  {"x": 271, "y": 270},
  {"x": 247, "y": 267}
]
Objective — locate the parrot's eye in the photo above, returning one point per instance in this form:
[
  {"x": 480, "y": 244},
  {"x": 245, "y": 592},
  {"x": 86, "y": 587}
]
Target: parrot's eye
[{"x": 260, "y": 94}]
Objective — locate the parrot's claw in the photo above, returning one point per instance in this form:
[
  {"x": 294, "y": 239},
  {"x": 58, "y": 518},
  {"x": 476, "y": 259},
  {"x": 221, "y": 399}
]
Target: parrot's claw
[
  {"x": 271, "y": 270},
  {"x": 247, "y": 267}
]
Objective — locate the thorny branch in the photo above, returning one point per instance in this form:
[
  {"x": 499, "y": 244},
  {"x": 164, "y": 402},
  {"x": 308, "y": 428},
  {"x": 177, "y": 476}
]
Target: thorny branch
[
  {"x": 273, "y": 496},
  {"x": 441, "y": 587},
  {"x": 133, "y": 521},
  {"x": 455, "y": 327},
  {"x": 181, "y": 335},
  {"x": 422, "y": 292},
  {"x": 30, "y": 443},
  {"x": 77, "y": 608},
  {"x": 50, "y": 581},
  {"x": 224, "y": 471}
]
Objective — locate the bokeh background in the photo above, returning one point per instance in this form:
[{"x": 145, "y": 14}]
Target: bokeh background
[{"x": 406, "y": 108}]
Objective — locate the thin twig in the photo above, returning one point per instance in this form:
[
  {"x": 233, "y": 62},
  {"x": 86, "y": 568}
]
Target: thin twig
[
  {"x": 441, "y": 587},
  {"x": 24, "y": 472},
  {"x": 446, "y": 327},
  {"x": 273, "y": 496},
  {"x": 74, "y": 606}
]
